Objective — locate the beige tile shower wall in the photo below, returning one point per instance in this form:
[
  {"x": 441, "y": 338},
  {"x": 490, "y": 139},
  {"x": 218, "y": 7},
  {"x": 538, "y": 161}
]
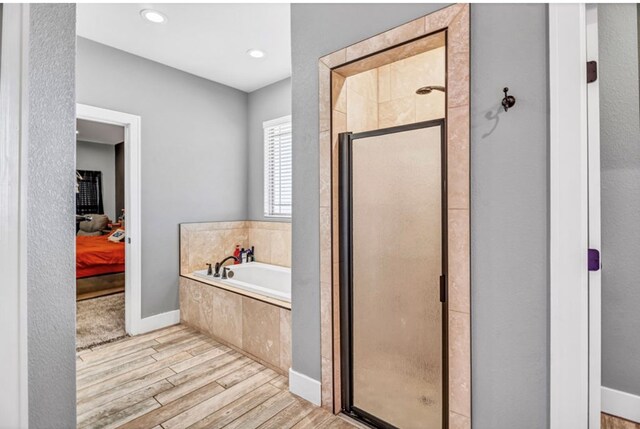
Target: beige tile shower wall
[
  {"x": 386, "y": 96},
  {"x": 259, "y": 329},
  {"x": 208, "y": 242},
  {"x": 397, "y": 82},
  {"x": 362, "y": 101}
]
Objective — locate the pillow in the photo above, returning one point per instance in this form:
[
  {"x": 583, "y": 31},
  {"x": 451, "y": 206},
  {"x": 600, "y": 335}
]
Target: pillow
[
  {"x": 97, "y": 223},
  {"x": 117, "y": 236},
  {"x": 82, "y": 233}
]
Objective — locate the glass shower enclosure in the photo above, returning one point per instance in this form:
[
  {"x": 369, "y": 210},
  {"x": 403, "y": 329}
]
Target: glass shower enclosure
[{"x": 393, "y": 275}]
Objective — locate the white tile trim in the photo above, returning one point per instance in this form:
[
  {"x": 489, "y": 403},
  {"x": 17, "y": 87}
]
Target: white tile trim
[
  {"x": 305, "y": 387},
  {"x": 621, "y": 404},
  {"x": 158, "y": 321}
]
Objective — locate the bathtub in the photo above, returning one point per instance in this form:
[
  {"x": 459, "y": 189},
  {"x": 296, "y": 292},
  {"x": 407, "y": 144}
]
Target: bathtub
[{"x": 269, "y": 280}]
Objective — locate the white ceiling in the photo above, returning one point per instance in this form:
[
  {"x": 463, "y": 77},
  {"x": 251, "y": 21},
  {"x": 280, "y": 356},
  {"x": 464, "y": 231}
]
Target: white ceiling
[
  {"x": 207, "y": 40},
  {"x": 97, "y": 132}
]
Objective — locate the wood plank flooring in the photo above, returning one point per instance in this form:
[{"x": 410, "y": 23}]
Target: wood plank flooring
[
  {"x": 177, "y": 378},
  {"x": 608, "y": 421}
]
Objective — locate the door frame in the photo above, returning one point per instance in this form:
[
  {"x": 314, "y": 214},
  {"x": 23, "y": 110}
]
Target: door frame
[
  {"x": 573, "y": 148},
  {"x": 14, "y": 395},
  {"x": 132, "y": 202},
  {"x": 345, "y": 185},
  {"x": 594, "y": 222}
]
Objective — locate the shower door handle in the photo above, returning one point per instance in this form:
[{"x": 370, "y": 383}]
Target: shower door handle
[{"x": 443, "y": 288}]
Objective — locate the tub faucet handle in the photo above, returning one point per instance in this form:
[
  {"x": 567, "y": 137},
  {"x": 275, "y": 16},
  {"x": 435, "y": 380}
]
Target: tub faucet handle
[
  {"x": 209, "y": 270},
  {"x": 224, "y": 273}
]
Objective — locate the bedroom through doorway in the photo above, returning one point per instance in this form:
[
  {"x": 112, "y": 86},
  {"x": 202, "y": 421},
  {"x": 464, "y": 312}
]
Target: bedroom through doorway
[{"x": 100, "y": 233}]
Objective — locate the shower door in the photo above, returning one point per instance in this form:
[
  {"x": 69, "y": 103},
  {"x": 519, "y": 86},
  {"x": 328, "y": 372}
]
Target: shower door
[{"x": 393, "y": 276}]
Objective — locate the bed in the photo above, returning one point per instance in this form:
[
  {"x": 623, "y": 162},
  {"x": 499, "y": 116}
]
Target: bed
[{"x": 100, "y": 266}]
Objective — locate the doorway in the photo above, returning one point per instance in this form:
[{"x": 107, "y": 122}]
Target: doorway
[
  {"x": 100, "y": 233},
  {"x": 394, "y": 268},
  {"x": 129, "y": 226}
]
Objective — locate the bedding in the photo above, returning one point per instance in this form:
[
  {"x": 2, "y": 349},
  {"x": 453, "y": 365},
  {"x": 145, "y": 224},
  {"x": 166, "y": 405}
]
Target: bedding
[
  {"x": 97, "y": 255},
  {"x": 97, "y": 223}
]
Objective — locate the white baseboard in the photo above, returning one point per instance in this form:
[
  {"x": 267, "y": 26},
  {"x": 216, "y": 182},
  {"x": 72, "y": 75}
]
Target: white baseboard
[
  {"x": 157, "y": 321},
  {"x": 621, "y": 404},
  {"x": 305, "y": 387}
]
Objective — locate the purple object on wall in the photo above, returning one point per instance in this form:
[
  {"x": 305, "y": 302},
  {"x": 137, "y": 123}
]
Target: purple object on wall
[{"x": 594, "y": 260}]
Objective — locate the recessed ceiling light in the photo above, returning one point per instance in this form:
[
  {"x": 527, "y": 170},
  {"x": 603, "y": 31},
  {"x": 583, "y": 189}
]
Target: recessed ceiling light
[
  {"x": 255, "y": 53},
  {"x": 153, "y": 16}
]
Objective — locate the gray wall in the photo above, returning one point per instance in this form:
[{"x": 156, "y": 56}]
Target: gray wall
[
  {"x": 50, "y": 200},
  {"x": 620, "y": 161},
  {"x": 509, "y": 220},
  {"x": 100, "y": 157},
  {"x": 194, "y": 153},
  {"x": 271, "y": 102},
  {"x": 509, "y": 217}
]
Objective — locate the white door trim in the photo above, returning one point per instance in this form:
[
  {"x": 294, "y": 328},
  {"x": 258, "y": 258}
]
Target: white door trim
[
  {"x": 132, "y": 201},
  {"x": 595, "y": 277},
  {"x": 569, "y": 299},
  {"x": 14, "y": 399}
]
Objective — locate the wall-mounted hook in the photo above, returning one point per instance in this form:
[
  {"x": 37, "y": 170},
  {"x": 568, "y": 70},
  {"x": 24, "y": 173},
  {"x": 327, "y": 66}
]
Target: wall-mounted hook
[{"x": 508, "y": 101}]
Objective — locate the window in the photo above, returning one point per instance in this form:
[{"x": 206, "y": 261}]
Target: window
[{"x": 277, "y": 167}]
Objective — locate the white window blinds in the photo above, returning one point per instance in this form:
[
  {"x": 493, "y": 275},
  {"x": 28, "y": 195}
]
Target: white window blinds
[{"x": 277, "y": 167}]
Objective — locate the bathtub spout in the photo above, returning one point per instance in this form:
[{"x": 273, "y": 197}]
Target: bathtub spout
[{"x": 219, "y": 265}]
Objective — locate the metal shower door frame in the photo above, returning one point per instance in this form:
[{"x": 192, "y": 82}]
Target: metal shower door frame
[{"x": 345, "y": 142}]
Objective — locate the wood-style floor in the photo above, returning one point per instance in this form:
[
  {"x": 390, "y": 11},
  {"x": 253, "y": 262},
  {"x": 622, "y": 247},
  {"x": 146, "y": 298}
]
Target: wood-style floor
[
  {"x": 179, "y": 378},
  {"x": 608, "y": 421}
]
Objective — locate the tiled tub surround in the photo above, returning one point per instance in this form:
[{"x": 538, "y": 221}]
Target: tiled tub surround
[
  {"x": 253, "y": 324},
  {"x": 372, "y": 55},
  {"x": 257, "y": 328},
  {"x": 208, "y": 242}
]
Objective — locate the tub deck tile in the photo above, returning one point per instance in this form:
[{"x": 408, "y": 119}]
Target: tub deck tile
[{"x": 255, "y": 327}]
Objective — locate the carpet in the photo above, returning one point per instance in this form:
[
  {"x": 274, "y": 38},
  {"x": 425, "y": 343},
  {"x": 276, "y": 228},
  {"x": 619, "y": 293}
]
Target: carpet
[{"x": 99, "y": 320}]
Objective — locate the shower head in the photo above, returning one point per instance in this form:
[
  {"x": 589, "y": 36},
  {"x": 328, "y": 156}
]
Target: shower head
[{"x": 428, "y": 89}]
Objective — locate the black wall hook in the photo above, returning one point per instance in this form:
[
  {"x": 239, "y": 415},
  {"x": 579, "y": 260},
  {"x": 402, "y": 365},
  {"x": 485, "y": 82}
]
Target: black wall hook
[{"x": 508, "y": 101}]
